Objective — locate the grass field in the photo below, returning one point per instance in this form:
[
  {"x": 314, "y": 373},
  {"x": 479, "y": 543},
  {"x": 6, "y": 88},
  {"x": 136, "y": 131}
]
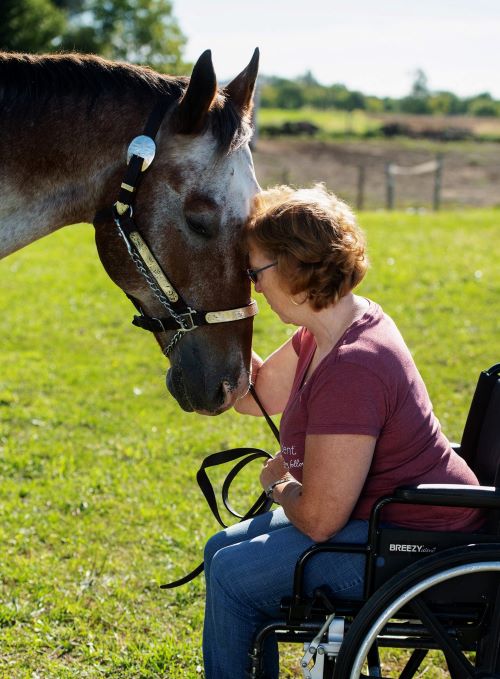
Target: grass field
[
  {"x": 98, "y": 498},
  {"x": 330, "y": 122},
  {"x": 358, "y": 123}
]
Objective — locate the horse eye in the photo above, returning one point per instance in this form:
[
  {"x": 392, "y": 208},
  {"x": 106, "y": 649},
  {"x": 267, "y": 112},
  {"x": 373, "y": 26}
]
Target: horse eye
[{"x": 198, "y": 227}]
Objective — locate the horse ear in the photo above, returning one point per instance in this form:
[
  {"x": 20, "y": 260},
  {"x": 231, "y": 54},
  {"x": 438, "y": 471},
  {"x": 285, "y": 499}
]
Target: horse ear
[
  {"x": 240, "y": 90},
  {"x": 198, "y": 97}
]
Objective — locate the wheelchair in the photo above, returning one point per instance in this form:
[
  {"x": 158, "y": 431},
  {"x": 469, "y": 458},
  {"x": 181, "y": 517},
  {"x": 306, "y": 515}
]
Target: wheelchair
[{"x": 423, "y": 590}]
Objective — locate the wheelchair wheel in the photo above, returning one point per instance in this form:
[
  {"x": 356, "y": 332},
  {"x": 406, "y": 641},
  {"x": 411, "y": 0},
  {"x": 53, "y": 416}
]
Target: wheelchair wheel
[{"x": 409, "y": 591}]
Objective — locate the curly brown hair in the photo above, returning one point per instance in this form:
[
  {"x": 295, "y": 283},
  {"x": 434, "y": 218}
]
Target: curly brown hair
[{"x": 314, "y": 237}]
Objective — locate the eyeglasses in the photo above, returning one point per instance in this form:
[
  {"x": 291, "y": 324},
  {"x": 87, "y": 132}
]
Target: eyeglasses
[{"x": 253, "y": 274}]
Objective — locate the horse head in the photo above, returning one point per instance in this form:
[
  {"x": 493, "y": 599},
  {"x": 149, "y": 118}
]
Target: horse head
[{"x": 190, "y": 210}]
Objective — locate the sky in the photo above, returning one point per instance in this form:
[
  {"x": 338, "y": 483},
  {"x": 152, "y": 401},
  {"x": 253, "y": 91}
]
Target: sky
[{"x": 374, "y": 46}]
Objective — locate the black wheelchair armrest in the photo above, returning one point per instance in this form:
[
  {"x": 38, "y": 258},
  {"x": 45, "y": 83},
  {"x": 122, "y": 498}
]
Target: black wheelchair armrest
[
  {"x": 450, "y": 495},
  {"x": 300, "y": 605}
]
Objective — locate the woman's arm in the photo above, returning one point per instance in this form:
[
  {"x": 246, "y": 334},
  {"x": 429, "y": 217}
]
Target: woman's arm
[
  {"x": 273, "y": 379},
  {"x": 335, "y": 470}
]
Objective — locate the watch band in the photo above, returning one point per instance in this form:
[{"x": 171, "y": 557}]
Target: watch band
[{"x": 272, "y": 486}]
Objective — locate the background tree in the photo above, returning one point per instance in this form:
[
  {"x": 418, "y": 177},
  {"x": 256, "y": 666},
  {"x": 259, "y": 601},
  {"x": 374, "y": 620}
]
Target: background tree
[
  {"x": 446, "y": 103},
  {"x": 420, "y": 87},
  {"x": 417, "y": 102},
  {"x": 140, "y": 31},
  {"x": 483, "y": 105},
  {"x": 30, "y": 25},
  {"x": 290, "y": 95}
]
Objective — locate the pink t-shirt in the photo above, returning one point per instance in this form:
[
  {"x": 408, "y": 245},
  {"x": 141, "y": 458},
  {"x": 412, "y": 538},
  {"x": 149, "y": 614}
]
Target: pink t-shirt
[{"x": 369, "y": 384}]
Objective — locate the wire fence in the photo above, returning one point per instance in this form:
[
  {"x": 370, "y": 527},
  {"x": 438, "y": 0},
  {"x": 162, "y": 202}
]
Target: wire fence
[{"x": 382, "y": 176}]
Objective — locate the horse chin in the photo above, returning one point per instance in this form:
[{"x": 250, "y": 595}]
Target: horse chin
[
  {"x": 223, "y": 399},
  {"x": 175, "y": 386}
]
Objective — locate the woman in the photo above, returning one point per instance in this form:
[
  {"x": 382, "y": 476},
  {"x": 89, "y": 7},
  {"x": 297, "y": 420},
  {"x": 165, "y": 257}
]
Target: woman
[{"x": 357, "y": 422}]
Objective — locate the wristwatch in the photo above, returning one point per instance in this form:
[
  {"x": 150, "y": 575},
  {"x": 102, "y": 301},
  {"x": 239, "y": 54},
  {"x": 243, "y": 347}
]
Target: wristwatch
[{"x": 272, "y": 486}]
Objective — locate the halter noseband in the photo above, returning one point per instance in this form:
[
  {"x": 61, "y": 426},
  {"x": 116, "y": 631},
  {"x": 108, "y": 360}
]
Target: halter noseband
[{"x": 182, "y": 317}]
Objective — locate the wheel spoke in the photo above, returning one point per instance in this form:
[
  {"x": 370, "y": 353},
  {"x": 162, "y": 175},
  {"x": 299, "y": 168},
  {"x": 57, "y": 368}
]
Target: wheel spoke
[
  {"x": 413, "y": 663},
  {"x": 454, "y": 656},
  {"x": 373, "y": 660},
  {"x": 488, "y": 656}
]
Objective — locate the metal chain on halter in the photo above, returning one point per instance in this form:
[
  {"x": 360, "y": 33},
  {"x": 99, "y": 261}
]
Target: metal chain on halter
[{"x": 158, "y": 293}]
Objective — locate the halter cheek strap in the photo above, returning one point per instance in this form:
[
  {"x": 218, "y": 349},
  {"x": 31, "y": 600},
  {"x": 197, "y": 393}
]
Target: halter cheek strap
[{"x": 181, "y": 317}]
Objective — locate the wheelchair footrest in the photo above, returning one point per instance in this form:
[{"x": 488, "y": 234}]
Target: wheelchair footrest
[{"x": 316, "y": 651}]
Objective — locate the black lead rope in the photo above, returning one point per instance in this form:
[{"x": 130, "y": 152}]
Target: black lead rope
[
  {"x": 271, "y": 424},
  {"x": 260, "y": 506}
]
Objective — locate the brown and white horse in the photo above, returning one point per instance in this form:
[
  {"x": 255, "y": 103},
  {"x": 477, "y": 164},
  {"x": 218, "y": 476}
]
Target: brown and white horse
[{"x": 66, "y": 122}]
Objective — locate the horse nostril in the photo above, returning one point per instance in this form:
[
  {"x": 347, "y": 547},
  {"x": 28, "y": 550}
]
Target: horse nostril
[{"x": 227, "y": 392}]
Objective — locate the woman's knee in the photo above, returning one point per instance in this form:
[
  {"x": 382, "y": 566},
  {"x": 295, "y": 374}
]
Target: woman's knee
[
  {"x": 234, "y": 534},
  {"x": 228, "y": 580},
  {"x": 216, "y": 542}
]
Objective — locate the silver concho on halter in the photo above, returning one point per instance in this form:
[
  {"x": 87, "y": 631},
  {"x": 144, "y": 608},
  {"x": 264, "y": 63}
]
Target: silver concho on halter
[{"x": 144, "y": 147}]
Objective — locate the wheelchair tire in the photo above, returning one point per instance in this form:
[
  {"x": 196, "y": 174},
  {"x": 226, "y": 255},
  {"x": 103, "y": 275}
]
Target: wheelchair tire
[{"x": 403, "y": 589}]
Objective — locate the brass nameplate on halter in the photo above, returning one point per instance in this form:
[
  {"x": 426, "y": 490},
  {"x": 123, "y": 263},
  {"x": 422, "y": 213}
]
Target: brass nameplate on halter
[
  {"x": 153, "y": 266},
  {"x": 232, "y": 314}
]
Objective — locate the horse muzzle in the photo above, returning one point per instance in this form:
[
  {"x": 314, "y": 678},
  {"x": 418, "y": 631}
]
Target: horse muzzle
[{"x": 206, "y": 389}]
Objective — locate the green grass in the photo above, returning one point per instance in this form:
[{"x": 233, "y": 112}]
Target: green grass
[
  {"x": 98, "y": 497},
  {"x": 331, "y": 123}
]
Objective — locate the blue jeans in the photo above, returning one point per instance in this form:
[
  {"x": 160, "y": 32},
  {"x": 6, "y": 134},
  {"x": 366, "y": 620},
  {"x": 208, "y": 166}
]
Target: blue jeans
[{"x": 249, "y": 569}]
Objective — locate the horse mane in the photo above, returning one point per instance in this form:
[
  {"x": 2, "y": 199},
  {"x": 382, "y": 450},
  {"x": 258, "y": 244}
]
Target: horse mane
[{"x": 28, "y": 82}]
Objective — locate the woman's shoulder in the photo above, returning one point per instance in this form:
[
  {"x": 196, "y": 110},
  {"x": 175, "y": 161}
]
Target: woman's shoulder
[
  {"x": 374, "y": 332},
  {"x": 375, "y": 344}
]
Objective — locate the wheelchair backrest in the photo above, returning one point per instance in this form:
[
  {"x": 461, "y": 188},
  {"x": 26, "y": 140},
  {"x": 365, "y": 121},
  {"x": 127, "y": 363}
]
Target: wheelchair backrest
[
  {"x": 480, "y": 445},
  {"x": 488, "y": 449}
]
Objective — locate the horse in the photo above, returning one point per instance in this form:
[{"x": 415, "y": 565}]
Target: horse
[{"x": 161, "y": 166}]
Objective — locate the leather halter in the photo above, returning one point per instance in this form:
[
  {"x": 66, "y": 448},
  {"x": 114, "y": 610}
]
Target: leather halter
[{"x": 182, "y": 318}]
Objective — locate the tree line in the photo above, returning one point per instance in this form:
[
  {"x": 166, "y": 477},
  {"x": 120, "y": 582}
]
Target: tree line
[
  {"x": 303, "y": 91},
  {"x": 147, "y": 32}
]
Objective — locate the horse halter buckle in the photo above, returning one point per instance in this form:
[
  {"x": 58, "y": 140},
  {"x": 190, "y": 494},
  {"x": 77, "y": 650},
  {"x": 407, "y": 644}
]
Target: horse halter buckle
[
  {"x": 160, "y": 322},
  {"x": 182, "y": 318},
  {"x": 187, "y": 320}
]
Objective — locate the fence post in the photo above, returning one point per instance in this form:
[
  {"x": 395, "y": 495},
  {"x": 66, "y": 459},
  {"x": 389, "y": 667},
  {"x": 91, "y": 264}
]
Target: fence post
[
  {"x": 360, "y": 198},
  {"x": 437, "y": 182},
  {"x": 389, "y": 178}
]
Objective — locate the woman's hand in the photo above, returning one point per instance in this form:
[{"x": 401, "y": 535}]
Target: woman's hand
[{"x": 273, "y": 470}]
